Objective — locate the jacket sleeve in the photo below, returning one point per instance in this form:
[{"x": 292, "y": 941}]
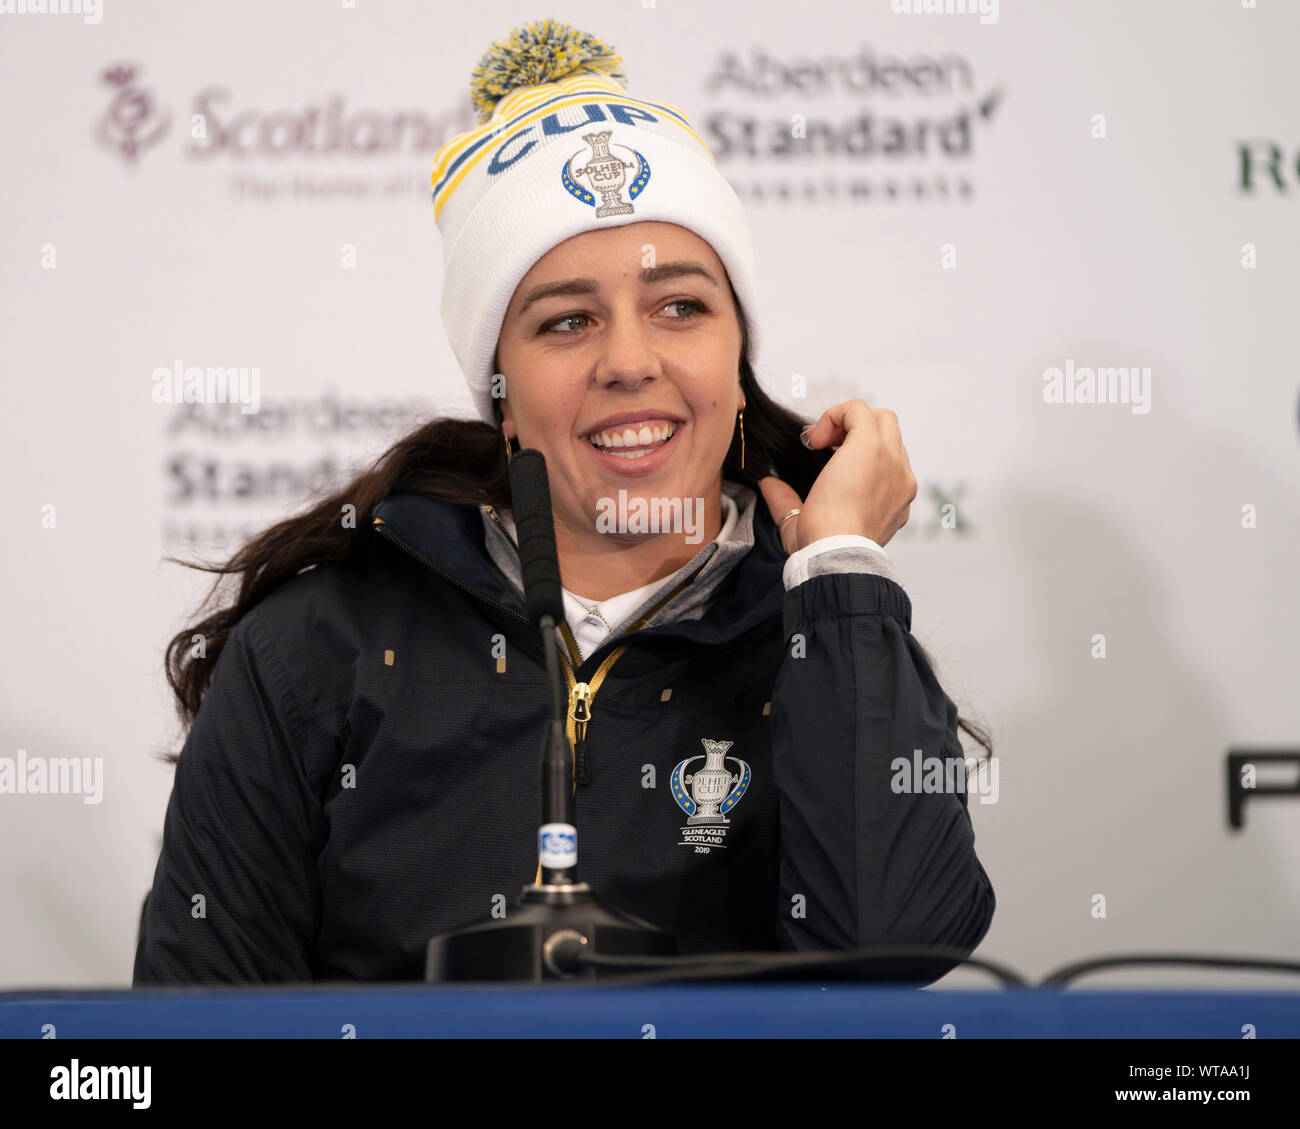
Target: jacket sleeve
[
  {"x": 865, "y": 858},
  {"x": 235, "y": 893}
]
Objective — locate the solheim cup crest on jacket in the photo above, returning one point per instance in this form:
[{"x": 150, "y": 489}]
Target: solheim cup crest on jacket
[{"x": 708, "y": 794}]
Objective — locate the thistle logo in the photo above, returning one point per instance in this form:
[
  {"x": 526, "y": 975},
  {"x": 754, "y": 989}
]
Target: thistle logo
[
  {"x": 216, "y": 125},
  {"x": 131, "y": 124}
]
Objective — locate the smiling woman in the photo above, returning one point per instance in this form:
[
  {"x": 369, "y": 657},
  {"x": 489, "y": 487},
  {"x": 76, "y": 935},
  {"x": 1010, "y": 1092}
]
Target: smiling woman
[
  {"x": 625, "y": 377},
  {"x": 373, "y": 698}
]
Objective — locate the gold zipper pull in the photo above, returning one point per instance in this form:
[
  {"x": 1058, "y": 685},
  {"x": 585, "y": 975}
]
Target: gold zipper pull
[
  {"x": 580, "y": 714},
  {"x": 580, "y": 706}
]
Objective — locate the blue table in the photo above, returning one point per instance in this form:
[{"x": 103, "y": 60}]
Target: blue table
[{"x": 784, "y": 1010}]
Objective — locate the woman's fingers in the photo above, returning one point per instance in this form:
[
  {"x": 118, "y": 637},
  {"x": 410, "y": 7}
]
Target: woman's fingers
[
  {"x": 891, "y": 436},
  {"x": 832, "y": 427},
  {"x": 781, "y": 499},
  {"x": 867, "y": 486}
]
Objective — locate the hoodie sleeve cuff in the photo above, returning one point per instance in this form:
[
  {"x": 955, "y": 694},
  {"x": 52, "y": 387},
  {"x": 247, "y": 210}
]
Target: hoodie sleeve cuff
[{"x": 845, "y": 552}]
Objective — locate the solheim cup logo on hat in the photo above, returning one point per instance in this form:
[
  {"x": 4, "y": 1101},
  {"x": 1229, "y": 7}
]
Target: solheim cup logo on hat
[
  {"x": 713, "y": 791},
  {"x": 607, "y": 173}
]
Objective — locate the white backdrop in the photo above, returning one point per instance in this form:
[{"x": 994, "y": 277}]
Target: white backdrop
[{"x": 1089, "y": 208}]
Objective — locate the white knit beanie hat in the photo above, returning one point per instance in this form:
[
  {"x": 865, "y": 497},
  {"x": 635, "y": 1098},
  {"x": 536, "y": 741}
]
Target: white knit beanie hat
[{"x": 562, "y": 149}]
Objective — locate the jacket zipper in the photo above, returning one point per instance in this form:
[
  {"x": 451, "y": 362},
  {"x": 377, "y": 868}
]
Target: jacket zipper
[{"x": 582, "y": 695}]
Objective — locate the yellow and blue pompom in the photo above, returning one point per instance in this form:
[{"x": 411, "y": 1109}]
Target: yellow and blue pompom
[{"x": 540, "y": 52}]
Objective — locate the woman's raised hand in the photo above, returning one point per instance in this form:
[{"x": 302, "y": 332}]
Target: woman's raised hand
[{"x": 866, "y": 488}]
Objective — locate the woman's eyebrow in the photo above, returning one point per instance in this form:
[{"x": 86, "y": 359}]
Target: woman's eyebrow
[
  {"x": 674, "y": 270},
  {"x": 590, "y": 286}
]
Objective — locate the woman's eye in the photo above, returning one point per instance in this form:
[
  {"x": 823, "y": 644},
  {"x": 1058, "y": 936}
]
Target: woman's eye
[
  {"x": 550, "y": 325},
  {"x": 694, "y": 307}
]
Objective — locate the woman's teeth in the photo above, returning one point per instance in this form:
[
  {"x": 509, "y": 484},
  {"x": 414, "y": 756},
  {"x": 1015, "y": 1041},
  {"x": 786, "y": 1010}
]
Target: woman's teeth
[{"x": 635, "y": 442}]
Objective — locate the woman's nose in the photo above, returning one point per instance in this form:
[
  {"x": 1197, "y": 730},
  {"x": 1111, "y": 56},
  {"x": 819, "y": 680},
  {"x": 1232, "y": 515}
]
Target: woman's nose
[{"x": 628, "y": 354}]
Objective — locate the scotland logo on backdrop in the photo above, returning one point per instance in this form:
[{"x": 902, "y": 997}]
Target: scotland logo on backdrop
[
  {"x": 133, "y": 122},
  {"x": 708, "y": 794},
  {"x": 607, "y": 174},
  {"x": 263, "y": 145}
]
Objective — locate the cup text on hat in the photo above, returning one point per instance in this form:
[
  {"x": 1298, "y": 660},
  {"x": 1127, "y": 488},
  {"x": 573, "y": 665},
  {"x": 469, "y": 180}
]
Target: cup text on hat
[{"x": 550, "y": 126}]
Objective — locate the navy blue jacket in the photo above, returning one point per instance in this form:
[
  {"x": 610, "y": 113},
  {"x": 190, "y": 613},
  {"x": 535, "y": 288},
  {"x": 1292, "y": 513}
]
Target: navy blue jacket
[{"x": 363, "y": 773}]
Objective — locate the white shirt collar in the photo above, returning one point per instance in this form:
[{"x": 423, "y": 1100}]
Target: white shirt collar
[{"x": 593, "y": 621}]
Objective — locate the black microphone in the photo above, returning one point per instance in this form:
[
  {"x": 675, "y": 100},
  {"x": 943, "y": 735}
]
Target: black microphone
[{"x": 530, "y": 502}]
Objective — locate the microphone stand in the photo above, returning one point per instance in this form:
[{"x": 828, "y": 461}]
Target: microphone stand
[{"x": 558, "y": 919}]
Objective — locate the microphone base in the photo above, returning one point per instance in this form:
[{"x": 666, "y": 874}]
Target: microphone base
[{"x": 514, "y": 949}]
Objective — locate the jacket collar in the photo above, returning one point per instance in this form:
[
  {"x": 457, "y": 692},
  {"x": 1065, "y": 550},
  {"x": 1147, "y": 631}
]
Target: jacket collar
[{"x": 451, "y": 539}]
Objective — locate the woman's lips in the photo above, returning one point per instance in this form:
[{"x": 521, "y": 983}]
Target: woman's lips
[{"x": 641, "y": 464}]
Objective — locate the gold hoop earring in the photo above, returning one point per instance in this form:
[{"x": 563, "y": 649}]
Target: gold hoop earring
[
  {"x": 742, "y": 438},
  {"x": 507, "y": 439}
]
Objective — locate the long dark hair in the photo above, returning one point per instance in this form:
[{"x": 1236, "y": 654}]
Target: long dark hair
[{"x": 452, "y": 460}]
